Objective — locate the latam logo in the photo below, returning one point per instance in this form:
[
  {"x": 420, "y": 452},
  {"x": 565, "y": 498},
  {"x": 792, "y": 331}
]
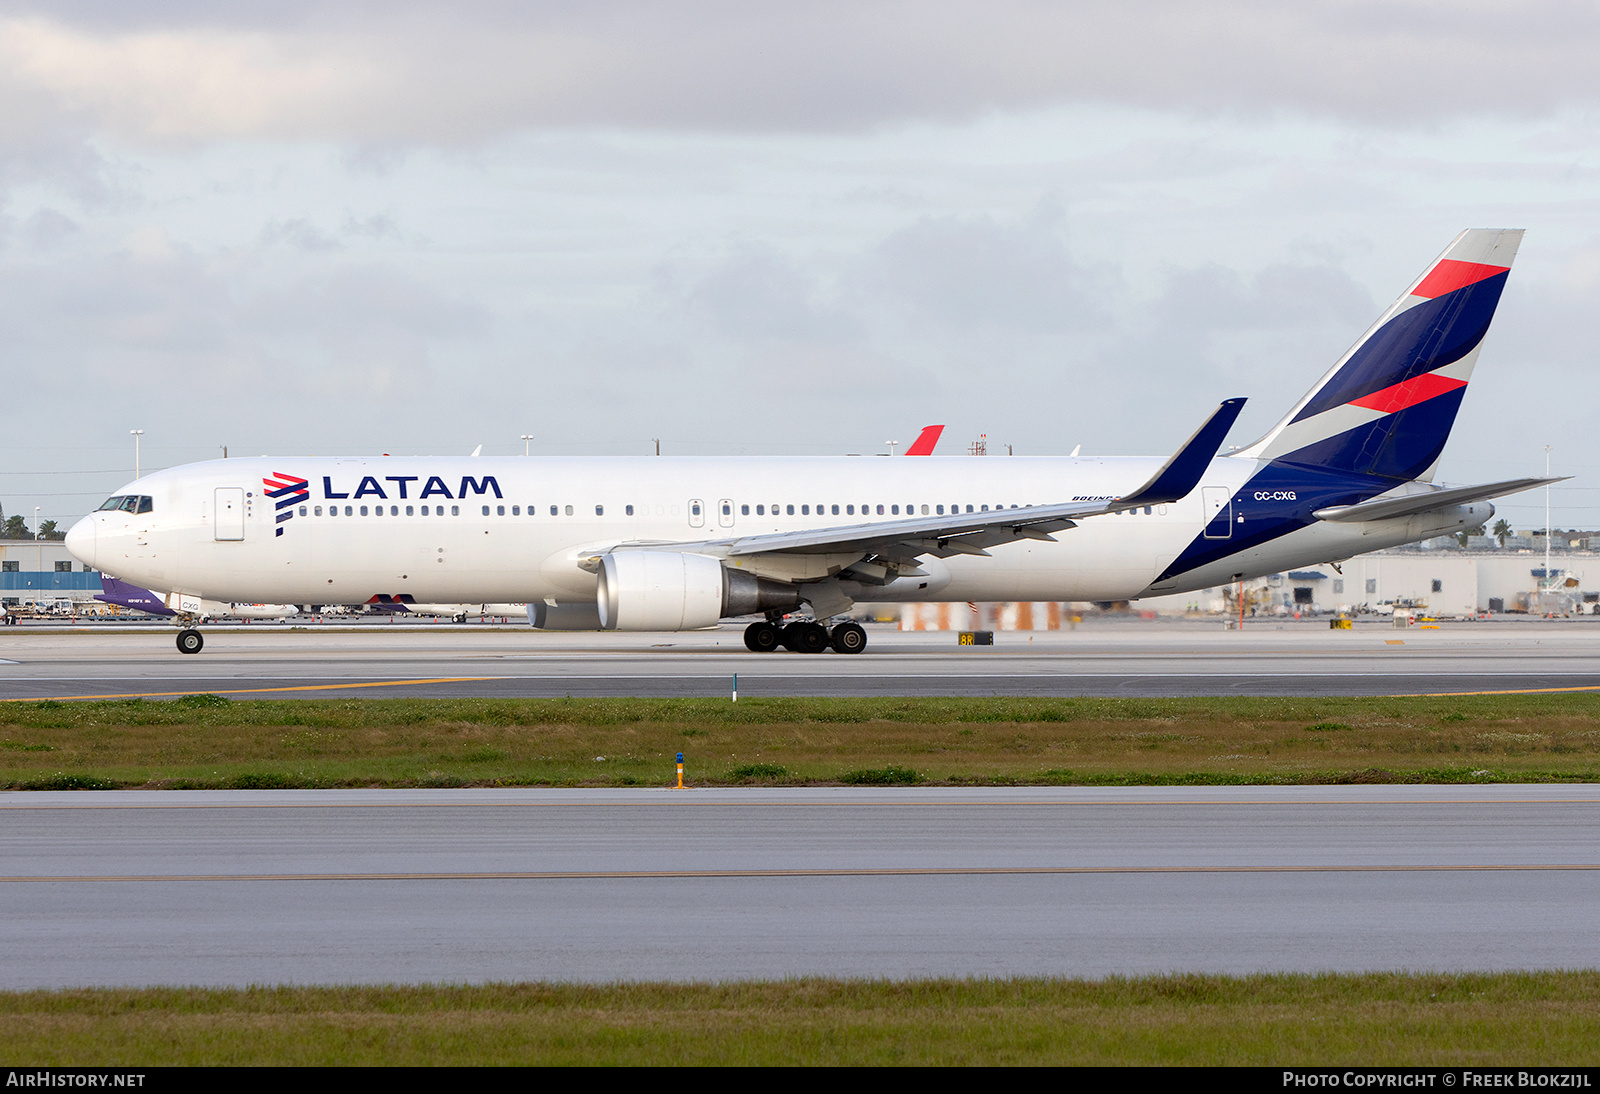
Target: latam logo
[
  {"x": 435, "y": 487},
  {"x": 287, "y": 491}
]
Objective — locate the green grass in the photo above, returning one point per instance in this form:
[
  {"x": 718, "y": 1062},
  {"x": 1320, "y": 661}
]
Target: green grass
[
  {"x": 1548, "y": 1019},
  {"x": 207, "y": 741}
]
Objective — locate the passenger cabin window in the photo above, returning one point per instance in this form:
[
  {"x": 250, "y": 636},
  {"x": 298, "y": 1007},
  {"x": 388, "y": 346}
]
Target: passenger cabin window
[{"x": 629, "y": 510}]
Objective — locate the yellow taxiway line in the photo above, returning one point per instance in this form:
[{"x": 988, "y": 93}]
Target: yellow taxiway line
[{"x": 253, "y": 691}]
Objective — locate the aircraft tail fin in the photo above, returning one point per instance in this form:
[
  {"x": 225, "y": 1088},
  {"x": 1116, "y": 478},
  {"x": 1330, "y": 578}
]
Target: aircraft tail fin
[
  {"x": 1386, "y": 408},
  {"x": 924, "y": 444}
]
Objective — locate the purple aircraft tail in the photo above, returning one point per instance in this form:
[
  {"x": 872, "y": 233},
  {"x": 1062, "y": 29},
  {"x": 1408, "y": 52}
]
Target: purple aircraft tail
[{"x": 131, "y": 596}]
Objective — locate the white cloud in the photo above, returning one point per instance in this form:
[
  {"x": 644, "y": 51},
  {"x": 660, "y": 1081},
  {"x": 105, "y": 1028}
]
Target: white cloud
[{"x": 427, "y": 73}]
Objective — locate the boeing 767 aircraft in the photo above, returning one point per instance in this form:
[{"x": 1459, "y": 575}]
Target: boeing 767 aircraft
[{"x": 675, "y": 544}]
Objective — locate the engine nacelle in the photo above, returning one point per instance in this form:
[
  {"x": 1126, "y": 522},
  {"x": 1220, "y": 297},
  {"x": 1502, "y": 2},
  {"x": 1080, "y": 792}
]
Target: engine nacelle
[
  {"x": 582, "y": 616},
  {"x": 668, "y": 591}
]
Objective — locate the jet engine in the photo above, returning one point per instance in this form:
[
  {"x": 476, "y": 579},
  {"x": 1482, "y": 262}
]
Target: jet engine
[{"x": 668, "y": 591}]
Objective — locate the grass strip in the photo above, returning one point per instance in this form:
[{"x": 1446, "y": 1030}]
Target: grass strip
[
  {"x": 1482, "y": 1019},
  {"x": 208, "y": 741}
]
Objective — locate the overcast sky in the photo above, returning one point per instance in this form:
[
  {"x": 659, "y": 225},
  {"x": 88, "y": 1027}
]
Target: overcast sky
[{"x": 344, "y": 228}]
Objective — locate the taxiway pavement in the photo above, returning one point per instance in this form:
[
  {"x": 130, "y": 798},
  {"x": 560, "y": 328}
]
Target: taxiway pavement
[
  {"x": 1133, "y": 658},
  {"x": 233, "y": 888}
]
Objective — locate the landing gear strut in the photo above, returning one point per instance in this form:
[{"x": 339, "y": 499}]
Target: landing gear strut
[{"x": 190, "y": 641}]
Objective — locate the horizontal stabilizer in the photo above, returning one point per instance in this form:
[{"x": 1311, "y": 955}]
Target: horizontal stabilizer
[
  {"x": 1404, "y": 505},
  {"x": 1181, "y": 474}
]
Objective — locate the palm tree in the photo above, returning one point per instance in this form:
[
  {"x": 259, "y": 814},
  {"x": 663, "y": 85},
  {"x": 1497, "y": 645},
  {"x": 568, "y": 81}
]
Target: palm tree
[{"x": 1502, "y": 529}]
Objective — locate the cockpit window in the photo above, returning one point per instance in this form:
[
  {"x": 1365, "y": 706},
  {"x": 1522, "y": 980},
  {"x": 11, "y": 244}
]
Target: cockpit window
[{"x": 130, "y": 503}]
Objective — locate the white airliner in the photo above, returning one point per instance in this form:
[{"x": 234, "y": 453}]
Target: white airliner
[{"x": 673, "y": 544}]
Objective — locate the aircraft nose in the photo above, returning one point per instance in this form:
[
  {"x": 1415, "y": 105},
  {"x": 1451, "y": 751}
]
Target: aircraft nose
[{"x": 80, "y": 541}]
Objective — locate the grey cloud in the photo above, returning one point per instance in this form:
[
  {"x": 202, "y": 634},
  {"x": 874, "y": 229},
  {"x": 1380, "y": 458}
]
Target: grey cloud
[
  {"x": 189, "y": 334},
  {"x": 410, "y": 73},
  {"x": 48, "y": 228},
  {"x": 757, "y": 295},
  {"x": 298, "y": 233},
  {"x": 976, "y": 271}
]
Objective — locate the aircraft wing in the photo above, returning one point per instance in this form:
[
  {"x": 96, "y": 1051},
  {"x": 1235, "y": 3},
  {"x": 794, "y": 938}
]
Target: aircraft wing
[
  {"x": 970, "y": 533},
  {"x": 1404, "y": 505}
]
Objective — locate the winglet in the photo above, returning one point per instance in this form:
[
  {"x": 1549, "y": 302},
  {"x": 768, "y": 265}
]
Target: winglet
[
  {"x": 923, "y": 445},
  {"x": 1182, "y": 472}
]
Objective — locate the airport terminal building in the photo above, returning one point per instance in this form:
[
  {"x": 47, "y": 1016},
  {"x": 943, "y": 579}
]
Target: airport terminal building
[
  {"x": 32, "y": 571},
  {"x": 1441, "y": 577}
]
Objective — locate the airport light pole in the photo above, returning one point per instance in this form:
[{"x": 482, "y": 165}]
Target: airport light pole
[
  {"x": 891, "y": 445},
  {"x": 38, "y": 548},
  {"x": 1547, "y": 582},
  {"x": 136, "y": 434},
  {"x": 527, "y": 438}
]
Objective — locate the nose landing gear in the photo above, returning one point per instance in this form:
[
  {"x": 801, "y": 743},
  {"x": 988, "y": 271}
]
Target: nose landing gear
[{"x": 190, "y": 641}]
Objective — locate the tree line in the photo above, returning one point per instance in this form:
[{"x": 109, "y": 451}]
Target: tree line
[{"x": 15, "y": 527}]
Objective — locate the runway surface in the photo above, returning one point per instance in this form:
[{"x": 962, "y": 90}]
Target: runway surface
[
  {"x": 420, "y": 886},
  {"x": 1131, "y": 658}
]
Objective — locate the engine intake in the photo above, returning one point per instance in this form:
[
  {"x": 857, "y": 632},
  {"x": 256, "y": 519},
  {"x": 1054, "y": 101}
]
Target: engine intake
[{"x": 671, "y": 591}]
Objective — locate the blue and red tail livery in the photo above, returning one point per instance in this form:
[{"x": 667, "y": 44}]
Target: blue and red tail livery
[{"x": 1385, "y": 410}]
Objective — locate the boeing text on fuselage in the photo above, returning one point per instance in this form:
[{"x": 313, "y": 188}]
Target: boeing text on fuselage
[{"x": 672, "y": 544}]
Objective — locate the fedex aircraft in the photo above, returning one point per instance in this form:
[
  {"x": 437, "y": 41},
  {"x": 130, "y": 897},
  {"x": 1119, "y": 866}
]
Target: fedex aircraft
[{"x": 674, "y": 544}]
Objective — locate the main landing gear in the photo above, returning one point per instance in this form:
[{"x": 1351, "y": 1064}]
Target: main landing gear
[
  {"x": 764, "y": 637},
  {"x": 190, "y": 641}
]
